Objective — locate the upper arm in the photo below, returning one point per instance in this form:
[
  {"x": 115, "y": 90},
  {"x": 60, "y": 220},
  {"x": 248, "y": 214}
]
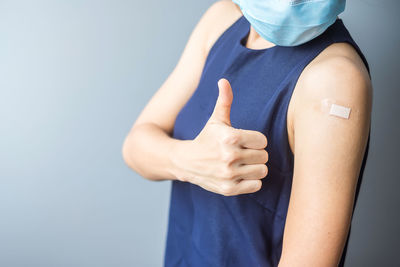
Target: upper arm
[
  {"x": 328, "y": 153},
  {"x": 176, "y": 90}
]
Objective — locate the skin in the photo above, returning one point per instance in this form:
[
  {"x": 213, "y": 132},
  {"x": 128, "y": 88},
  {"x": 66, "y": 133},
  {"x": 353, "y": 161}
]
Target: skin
[{"x": 328, "y": 150}]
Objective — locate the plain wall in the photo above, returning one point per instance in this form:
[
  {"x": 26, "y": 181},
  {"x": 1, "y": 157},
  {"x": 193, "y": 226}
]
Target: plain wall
[{"x": 74, "y": 76}]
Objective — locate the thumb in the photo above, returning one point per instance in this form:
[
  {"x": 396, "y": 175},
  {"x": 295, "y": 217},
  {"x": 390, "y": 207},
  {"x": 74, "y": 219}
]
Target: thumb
[{"x": 222, "y": 107}]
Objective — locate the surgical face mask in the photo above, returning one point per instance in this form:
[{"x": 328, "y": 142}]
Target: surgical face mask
[{"x": 290, "y": 22}]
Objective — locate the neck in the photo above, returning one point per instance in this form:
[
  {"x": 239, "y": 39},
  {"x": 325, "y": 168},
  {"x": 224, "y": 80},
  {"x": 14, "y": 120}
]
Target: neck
[{"x": 254, "y": 40}]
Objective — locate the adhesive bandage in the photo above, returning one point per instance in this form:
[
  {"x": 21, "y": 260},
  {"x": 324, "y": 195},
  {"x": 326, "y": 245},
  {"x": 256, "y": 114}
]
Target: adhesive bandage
[{"x": 332, "y": 108}]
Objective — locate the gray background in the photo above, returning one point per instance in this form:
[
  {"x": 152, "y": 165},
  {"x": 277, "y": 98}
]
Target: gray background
[{"x": 74, "y": 76}]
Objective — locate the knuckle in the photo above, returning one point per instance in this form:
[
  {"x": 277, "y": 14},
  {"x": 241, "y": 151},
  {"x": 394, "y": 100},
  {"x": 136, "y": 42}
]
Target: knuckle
[
  {"x": 230, "y": 139},
  {"x": 226, "y": 189},
  {"x": 228, "y": 173},
  {"x": 230, "y": 156},
  {"x": 226, "y": 157}
]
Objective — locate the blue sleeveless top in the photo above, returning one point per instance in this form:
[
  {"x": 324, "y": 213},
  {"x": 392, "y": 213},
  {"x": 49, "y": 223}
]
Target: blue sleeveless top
[{"x": 209, "y": 229}]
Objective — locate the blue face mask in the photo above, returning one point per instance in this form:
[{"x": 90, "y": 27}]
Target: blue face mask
[{"x": 290, "y": 22}]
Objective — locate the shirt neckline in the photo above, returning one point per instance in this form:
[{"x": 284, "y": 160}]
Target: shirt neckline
[{"x": 244, "y": 37}]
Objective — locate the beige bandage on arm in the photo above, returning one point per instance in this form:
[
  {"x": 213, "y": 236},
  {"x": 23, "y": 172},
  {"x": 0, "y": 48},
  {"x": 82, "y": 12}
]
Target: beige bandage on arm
[{"x": 333, "y": 108}]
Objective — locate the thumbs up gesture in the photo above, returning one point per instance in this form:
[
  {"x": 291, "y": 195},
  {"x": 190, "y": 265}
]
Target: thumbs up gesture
[{"x": 223, "y": 159}]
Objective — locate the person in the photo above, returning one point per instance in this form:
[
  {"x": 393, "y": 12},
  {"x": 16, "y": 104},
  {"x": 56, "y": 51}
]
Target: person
[{"x": 263, "y": 128}]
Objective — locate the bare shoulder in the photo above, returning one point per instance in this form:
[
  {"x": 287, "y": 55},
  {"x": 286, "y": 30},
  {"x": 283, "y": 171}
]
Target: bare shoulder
[
  {"x": 337, "y": 73},
  {"x": 222, "y": 14},
  {"x": 339, "y": 62}
]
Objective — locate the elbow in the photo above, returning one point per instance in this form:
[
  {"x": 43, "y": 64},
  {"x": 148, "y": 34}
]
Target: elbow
[
  {"x": 125, "y": 153},
  {"x": 128, "y": 155},
  {"x": 128, "y": 146}
]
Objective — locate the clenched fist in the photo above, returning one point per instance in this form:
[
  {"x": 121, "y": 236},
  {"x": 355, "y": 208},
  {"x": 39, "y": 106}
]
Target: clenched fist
[{"x": 223, "y": 159}]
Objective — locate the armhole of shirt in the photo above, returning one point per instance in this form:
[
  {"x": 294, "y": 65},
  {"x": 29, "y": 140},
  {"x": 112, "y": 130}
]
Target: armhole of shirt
[{"x": 220, "y": 38}]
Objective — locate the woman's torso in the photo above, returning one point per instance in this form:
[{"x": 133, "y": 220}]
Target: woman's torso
[{"x": 207, "y": 229}]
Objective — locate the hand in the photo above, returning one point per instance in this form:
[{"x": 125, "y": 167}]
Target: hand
[{"x": 223, "y": 159}]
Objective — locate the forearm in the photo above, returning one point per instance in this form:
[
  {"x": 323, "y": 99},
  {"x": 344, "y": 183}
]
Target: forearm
[{"x": 151, "y": 152}]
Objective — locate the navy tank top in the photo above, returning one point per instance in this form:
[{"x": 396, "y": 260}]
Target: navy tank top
[{"x": 209, "y": 229}]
